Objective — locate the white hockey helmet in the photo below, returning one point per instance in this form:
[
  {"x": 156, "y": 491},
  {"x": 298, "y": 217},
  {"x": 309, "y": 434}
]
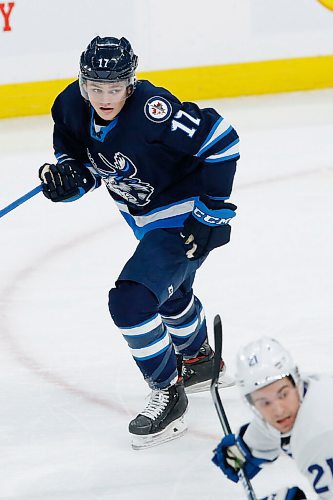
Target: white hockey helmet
[{"x": 261, "y": 363}]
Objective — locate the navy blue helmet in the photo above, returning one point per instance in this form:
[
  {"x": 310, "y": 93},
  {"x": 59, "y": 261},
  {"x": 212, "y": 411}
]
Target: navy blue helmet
[{"x": 108, "y": 59}]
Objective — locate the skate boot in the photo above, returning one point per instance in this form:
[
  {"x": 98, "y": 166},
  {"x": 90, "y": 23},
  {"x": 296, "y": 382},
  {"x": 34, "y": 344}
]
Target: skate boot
[
  {"x": 197, "y": 372},
  {"x": 162, "y": 420}
]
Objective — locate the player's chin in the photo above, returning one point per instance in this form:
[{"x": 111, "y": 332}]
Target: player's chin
[
  {"x": 285, "y": 424},
  {"x": 106, "y": 113}
]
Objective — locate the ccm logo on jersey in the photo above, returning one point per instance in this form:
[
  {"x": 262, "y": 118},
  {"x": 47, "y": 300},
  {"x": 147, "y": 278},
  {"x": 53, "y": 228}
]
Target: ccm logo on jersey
[
  {"x": 210, "y": 219},
  {"x": 157, "y": 109}
]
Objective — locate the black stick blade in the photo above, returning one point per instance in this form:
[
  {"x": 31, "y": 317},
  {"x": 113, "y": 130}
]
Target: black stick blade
[
  {"x": 218, "y": 348},
  {"x": 214, "y": 389}
]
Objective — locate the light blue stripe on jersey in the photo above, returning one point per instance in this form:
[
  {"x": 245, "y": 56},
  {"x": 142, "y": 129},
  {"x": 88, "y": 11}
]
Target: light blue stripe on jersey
[
  {"x": 162, "y": 217},
  {"x": 225, "y": 158},
  {"x": 231, "y": 151},
  {"x": 222, "y": 130},
  {"x": 103, "y": 131},
  {"x": 210, "y": 135},
  {"x": 219, "y": 198},
  {"x": 61, "y": 157}
]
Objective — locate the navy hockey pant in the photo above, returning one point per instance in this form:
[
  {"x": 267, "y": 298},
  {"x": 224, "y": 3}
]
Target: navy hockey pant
[{"x": 154, "y": 306}]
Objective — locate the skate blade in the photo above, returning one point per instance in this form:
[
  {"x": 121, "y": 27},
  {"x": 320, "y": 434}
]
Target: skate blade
[
  {"x": 173, "y": 431},
  {"x": 224, "y": 381}
]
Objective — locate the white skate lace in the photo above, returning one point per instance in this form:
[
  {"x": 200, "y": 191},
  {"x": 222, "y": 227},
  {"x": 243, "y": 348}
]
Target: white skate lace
[{"x": 158, "y": 402}]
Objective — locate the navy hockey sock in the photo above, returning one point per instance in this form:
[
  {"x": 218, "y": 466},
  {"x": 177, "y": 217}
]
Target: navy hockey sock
[
  {"x": 134, "y": 310},
  {"x": 188, "y": 328}
]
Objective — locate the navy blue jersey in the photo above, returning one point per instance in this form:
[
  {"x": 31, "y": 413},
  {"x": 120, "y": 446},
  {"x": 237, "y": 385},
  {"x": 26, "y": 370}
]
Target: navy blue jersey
[{"x": 156, "y": 157}]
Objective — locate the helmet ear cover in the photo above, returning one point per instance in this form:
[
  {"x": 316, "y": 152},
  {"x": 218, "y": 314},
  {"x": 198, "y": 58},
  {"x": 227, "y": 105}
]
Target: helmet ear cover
[{"x": 130, "y": 88}]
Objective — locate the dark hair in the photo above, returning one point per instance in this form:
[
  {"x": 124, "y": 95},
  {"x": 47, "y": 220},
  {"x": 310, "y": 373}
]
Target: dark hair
[{"x": 289, "y": 377}]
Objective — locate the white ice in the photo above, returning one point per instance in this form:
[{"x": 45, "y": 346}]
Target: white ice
[{"x": 68, "y": 383}]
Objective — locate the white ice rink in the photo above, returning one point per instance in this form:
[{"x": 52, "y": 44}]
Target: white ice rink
[{"x": 68, "y": 383}]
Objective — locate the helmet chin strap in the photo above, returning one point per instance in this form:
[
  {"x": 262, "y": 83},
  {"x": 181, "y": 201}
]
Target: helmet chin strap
[{"x": 302, "y": 388}]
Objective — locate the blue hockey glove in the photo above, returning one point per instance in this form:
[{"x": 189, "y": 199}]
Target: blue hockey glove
[
  {"x": 232, "y": 454},
  {"x": 65, "y": 181},
  {"x": 207, "y": 228}
]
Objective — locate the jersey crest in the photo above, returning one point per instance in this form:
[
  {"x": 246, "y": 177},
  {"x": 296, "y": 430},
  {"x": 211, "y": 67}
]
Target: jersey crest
[
  {"x": 119, "y": 178},
  {"x": 157, "y": 109}
]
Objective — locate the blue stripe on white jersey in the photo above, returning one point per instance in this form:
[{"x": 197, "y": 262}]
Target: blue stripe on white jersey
[{"x": 162, "y": 217}]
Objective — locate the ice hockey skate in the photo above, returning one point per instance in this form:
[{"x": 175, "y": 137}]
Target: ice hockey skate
[
  {"x": 162, "y": 420},
  {"x": 197, "y": 372}
]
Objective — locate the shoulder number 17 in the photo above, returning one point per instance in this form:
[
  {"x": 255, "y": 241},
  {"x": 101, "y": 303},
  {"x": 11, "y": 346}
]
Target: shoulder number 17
[{"x": 175, "y": 124}]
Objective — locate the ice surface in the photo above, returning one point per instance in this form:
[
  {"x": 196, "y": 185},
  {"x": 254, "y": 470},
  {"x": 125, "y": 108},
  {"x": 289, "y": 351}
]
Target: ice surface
[{"x": 68, "y": 385}]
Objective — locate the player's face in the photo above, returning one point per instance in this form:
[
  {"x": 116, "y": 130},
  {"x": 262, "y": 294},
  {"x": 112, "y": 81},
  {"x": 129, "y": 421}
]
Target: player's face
[
  {"x": 107, "y": 99},
  {"x": 278, "y": 403}
]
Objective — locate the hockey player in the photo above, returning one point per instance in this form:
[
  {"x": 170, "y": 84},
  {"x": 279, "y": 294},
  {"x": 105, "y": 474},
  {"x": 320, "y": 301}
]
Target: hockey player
[
  {"x": 293, "y": 415},
  {"x": 169, "y": 167}
]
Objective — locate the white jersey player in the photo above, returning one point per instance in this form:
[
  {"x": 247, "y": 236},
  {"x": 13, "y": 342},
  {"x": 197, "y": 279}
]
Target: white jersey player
[{"x": 293, "y": 415}]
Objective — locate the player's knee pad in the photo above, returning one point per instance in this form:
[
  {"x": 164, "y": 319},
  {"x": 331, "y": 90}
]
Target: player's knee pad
[{"x": 131, "y": 303}]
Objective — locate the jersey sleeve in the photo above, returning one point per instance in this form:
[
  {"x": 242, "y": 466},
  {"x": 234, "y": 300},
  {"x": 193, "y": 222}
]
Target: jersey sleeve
[
  {"x": 263, "y": 441},
  {"x": 66, "y": 146},
  {"x": 317, "y": 465},
  {"x": 208, "y": 137},
  {"x": 312, "y": 438}
]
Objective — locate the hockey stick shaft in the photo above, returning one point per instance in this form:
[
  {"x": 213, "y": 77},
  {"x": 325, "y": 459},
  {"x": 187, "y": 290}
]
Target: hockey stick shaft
[
  {"x": 218, "y": 334},
  {"x": 21, "y": 200}
]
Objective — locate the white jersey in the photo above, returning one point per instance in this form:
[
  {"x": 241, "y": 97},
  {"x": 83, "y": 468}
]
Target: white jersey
[{"x": 310, "y": 442}]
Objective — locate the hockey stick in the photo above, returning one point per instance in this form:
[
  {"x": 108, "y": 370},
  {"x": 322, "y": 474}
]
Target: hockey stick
[
  {"x": 21, "y": 200},
  {"x": 214, "y": 389}
]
